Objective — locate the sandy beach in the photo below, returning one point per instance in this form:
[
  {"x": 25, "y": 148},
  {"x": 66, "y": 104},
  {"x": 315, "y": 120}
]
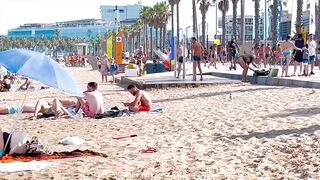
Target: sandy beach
[{"x": 210, "y": 132}]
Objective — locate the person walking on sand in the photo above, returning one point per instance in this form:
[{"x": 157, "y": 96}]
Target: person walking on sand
[
  {"x": 287, "y": 48},
  {"x": 213, "y": 56},
  {"x": 244, "y": 61},
  {"x": 113, "y": 70},
  {"x": 298, "y": 55},
  {"x": 141, "y": 102},
  {"x": 233, "y": 48},
  {"x": 312, "y": 45},
  {"x": 180, "y": 59},
  {"x": 261, "y": 55},
  {"x": 196, "y": 51},
  {"x": 267, "y": 53},
  {"x": 104, "y": 70}
]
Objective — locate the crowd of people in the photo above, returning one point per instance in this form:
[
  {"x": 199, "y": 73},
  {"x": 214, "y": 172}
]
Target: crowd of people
[{"x": 299, "y": 53}]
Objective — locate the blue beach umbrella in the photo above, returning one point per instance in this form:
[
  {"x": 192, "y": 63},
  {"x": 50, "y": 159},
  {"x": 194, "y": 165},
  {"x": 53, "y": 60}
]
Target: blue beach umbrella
[{"x": 39, "y": 67}]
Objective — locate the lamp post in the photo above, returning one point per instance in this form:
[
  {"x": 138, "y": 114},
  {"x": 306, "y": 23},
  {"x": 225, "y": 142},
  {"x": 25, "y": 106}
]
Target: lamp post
[{"x": 184, "y": 51}]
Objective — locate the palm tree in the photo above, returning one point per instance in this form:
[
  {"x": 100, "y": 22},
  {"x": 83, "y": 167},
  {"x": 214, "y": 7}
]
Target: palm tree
[
  {"x": 125, "y": 30},
  {"x": 317, "y": 14},
  {"x": 178, "y": 21},
  {"x": 204, "y": 7},
  {"x": 274, "y": 23},
  {"x": 234, "y": 17},
  {"x": 256, "y": 22},
  {"x": 299, "y": 16},
  {"x": 57, "y": 33},
  {"x": 151, "y": 21},
  {"x": 223, "y": 7},
  {"x": 172, "y": 4},
  {"x": 164, "y": 15},
  {"x": 145, "y": 18}
]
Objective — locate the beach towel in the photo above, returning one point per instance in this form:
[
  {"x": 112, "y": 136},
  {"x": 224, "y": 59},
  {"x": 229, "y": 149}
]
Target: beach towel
[
  {"x": 55, "y": 155},
  {"x": 123, "y": 113},
  {"x": 24, "y": 166}
]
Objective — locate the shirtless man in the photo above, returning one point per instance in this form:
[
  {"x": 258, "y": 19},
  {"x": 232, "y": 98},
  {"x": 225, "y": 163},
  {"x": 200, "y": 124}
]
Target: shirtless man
[
  {"x": 180, "y": 58},
  {"x": 142, "y": 101},
  {"x": 196, "y": 51},
  {"x": 287, "y": 48},
  {"x": 92, "y": 103}
]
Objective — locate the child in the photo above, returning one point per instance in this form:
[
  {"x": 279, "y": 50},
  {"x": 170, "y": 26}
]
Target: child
[
  {"x": 113, "y": 69},
  {"x": 305, "y": 57}
]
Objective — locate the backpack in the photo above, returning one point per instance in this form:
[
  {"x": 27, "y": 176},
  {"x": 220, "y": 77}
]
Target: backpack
[{"x": 261, "y": 72}]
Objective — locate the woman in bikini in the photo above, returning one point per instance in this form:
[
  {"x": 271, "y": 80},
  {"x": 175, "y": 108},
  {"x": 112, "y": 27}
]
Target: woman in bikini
[
  {"x": 244, "y": 61},
  {"x": 261, "y": 56}
]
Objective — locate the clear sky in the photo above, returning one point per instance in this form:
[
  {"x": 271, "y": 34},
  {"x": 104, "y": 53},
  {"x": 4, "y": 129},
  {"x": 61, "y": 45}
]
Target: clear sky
[{"x": 16, "y": 12}]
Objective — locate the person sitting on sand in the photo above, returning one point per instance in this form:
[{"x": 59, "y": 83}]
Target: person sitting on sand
[
  {"x": 142, "y": 101},
  {"x": 5, "y": 85},
  {"x": 92, "y": 103},
  {"x": 244, "y": 61}
]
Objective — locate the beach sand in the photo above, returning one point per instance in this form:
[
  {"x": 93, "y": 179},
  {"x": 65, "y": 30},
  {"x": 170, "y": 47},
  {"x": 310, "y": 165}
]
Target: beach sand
[{"x": 210, "y": 132}]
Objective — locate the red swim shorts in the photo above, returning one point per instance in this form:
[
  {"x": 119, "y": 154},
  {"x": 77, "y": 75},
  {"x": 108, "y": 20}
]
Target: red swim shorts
[
  {"x": 86, "y": 110},
  {"x": 144, "y": 108}
]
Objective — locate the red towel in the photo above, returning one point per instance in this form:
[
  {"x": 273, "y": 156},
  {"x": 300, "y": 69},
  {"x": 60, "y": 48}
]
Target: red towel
[{"x": 55, "y": 155}]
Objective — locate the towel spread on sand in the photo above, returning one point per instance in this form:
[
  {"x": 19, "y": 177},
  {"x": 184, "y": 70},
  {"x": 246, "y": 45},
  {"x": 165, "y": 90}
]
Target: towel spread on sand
[
  {"x": 24, "y": 166},
  {"x": 55, "y": 155},
  {"x": 123, "y": 113}
]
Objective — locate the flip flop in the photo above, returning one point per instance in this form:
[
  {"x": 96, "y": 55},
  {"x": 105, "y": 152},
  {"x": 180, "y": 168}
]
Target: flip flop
[
  {"x": 149, "y": 150},
  {"x": 123, "y": 137}
]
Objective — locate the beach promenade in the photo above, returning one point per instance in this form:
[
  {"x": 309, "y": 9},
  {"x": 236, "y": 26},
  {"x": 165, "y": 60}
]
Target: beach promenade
[{"x": 222, "y": 75}]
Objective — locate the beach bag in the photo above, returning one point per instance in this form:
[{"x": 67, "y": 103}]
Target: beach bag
[
  {"x": 261, "y": 73},
  {"x": 18, "y": 141}
]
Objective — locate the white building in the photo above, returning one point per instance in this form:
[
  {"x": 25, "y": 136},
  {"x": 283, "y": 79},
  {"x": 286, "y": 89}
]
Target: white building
[
  {"x": 249, "y": 27},
  {"x": 126, "y": 14}
]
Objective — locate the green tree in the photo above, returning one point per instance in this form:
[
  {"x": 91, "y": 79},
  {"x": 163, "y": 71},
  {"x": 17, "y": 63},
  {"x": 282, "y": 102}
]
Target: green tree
[
  {"x": 274, "y": 23},
  {"x": 204, "y": 7}
]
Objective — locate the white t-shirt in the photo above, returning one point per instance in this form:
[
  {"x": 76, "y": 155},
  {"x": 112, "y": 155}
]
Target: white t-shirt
[{"x": 312, "y": 48}]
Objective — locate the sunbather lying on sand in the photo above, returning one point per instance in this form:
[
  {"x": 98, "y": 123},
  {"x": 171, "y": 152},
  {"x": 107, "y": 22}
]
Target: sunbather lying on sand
[
  {"x": 142, "y": 101},
  {"x": 28, "y": 108},
  {"x": 56, "y": 107}
]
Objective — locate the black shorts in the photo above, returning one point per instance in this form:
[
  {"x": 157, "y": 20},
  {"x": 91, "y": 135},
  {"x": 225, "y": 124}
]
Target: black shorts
[
  {"x": 180, "y": 59},
  {"x": 298, "y": 57},
  {"x": 267, "y": 56},
  {"x": 196, "y": 58}
]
